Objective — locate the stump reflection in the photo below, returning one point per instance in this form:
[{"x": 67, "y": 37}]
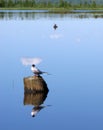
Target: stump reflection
[
  {"x": 35, "y": 99},
  {"x": 35, "y": 93}
]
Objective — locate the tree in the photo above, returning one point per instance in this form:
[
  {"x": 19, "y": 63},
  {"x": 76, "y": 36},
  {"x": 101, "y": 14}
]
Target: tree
[
  {"x": 33, "y": 3},
  {"x": 2, "y": 3},
  {"x": 93, "y": 4},
  {"x": 10, "y": 3},
  {"x": 61, "y": 3}
]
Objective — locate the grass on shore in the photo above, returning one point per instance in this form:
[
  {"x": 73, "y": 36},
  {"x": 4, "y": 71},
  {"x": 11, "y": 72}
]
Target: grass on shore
[{"x": 54, "y": 9}]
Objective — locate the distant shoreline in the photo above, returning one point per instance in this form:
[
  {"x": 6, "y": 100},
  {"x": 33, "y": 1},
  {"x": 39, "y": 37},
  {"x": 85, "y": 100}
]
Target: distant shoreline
[{"x": 54, "y": 10}]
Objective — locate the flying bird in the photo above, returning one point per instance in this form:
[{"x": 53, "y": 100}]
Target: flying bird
[{"x": 36, "y": 71}]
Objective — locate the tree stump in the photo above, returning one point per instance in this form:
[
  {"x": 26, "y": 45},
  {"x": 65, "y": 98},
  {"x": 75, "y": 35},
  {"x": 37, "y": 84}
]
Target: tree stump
[{"x": 35, "y": 84}]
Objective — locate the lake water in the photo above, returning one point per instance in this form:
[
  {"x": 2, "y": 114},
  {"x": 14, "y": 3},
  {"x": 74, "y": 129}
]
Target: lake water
[{"x": 72, "y": 54}]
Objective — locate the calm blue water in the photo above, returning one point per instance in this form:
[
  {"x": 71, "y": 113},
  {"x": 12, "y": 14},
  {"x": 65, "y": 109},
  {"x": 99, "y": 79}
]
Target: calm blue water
[{"x": 72, "y": 54}]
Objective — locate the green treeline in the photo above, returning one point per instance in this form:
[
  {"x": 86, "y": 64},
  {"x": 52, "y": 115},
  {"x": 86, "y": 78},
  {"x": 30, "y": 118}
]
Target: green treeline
[{"x": 46, "y": 4}]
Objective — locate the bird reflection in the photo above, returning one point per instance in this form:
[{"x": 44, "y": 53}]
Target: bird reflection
[
  {"x": 35, "y": 110},
  {"x": 35, "y": 99}
]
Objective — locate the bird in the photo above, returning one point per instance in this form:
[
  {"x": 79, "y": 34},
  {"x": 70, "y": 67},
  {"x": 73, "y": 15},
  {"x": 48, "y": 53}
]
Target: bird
[
  {"x": 55, "y": 26},
  {"x": 36, "y": 71}
]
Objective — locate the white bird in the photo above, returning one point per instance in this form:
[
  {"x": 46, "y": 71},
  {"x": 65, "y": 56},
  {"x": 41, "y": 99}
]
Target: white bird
[{"x": 36, "y": 71}]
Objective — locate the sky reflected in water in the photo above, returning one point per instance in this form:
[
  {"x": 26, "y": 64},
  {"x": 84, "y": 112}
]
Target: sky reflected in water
[{"x": 72, "y": 54}]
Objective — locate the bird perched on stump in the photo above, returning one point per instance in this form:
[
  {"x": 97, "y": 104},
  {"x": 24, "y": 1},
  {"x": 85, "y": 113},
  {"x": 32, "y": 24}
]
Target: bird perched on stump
[{"x": 36, "y": 71}]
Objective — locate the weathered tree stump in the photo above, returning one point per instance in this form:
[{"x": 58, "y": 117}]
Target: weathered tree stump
[{"x": 35, "y": 84}]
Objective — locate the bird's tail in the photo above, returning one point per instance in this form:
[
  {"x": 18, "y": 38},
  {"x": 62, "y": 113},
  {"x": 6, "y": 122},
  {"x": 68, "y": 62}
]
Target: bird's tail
[{"x": 47, "y": 73}]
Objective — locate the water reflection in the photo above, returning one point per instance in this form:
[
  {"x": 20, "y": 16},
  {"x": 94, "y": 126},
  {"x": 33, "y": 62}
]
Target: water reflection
[
  {"x": 21, "y": 15},
  {"x": 35, "y": 93},
  {"x": 35, "y": 99},
  {"x": 35, "y": 110}
]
